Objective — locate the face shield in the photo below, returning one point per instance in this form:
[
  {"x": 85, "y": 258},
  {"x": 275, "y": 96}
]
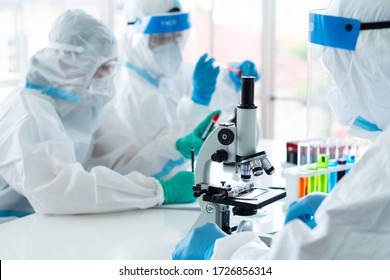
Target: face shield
[
  {"x": 346, "y": 76},
  {"x": 164, "y": 36}
]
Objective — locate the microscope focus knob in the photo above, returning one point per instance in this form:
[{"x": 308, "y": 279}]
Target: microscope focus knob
[
  {"x": 225, "y": 136},
  {"x": 219, "y": 156},
  {"x": 198, "y": 191}
]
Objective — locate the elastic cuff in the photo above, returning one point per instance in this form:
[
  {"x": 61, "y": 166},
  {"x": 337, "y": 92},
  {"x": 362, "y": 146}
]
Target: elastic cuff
[
  {"x": 209, "y": 251},
  {"x": 200, "y": 100},
  {"x": 178, "y": 144}
]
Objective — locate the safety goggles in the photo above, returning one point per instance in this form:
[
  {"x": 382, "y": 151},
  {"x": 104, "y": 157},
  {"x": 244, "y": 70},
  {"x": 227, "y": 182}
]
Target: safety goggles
[
  {"x": 106, "y": 69},
  {"x": 338, "y": 32}
]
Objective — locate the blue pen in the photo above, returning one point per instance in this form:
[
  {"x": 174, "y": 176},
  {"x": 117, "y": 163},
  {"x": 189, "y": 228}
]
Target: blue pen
[{"x": 192, "y": 159}]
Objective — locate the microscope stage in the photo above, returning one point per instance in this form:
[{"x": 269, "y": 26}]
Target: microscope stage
[{"x": 255, "y": 199}]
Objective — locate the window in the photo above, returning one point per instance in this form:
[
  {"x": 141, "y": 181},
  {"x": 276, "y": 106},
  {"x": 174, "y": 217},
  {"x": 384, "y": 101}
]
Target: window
[{"x": 271, "y": 33}]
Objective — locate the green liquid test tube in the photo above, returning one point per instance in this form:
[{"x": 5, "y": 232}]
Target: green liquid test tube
[
  {"x": 322, "y": 163},
  {"x": 312, "y": 181}
]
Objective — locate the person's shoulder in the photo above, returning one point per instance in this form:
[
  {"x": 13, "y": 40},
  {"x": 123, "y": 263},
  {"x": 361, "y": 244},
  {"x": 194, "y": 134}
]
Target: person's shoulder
[
  {"x": 36, "y": 101},
  {"x": 382, "y": 139},
  {"x": 27, "y": 106}
]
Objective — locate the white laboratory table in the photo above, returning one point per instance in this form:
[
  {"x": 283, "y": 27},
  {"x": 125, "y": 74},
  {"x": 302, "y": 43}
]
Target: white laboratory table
[{"x": 138, "y": 234}]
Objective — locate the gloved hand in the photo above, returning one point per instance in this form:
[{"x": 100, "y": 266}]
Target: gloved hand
[
  {"x": 194, "y": 139},
  {"x": 248, "y": 68},
  {"x": 205, "y": 80},
  {"x": 178, "y": 189},
  {"x": 305, "y": 208},
  {"x": 199, "y": 243}
]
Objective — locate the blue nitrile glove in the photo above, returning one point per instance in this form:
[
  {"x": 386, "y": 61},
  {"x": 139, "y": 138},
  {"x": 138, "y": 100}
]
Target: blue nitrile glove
[
  {"x": 248, "y": 68},
  {"x": 194, "y": 139},
  {"x": 178, "y": 189},
  {"x": 199, "y": 243},
  {"x": 205, "y": 80},
  {"x": 305, "y": 208}
]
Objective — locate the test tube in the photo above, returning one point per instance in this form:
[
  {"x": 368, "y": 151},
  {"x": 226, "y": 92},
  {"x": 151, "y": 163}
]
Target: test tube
[
  {"x": 314, "y": 149},
  {"x": 302, "y": 186},
  {"x": 340, "y": 149},
  {"x": 303, "y": 159},
  {"x": 303, "y": 153},
  {"x": 292, "y": 152},
  {"x": 229, "y": 68},
  {"x": 312, "y": 180},
  {"x": 349, "y": 159},
  {"x": 323, "y": 148},
  {"x": 340, "y": 174},
  {"x": 210, "y": 126},
  {"x": 332, "y": 179},
  {"x": 332, "y": 149},
  {"x": 322, "y": 163}
]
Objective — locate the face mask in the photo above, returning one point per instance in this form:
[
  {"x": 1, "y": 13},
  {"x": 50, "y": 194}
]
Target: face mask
[
  {"x": 100, "y": 91},
  {"x": 359, "y": 86},
  {"x": 169, "y": 58}
]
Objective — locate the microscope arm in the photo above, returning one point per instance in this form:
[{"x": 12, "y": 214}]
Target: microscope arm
[{"x": 213, "y": 149}]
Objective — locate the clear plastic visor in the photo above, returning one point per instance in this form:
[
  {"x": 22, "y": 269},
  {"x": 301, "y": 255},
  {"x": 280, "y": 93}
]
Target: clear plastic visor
[
  {"x": 160, "y": 44},
  {"x": 326, "y": 33},
  {"x": 320, "y": 119}
]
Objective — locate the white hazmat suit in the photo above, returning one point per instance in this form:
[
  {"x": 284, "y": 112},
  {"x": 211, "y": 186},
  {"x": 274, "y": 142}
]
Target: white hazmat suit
[
  {"x": 48, "y": 129},
  {"x": 353, "y": 221}
]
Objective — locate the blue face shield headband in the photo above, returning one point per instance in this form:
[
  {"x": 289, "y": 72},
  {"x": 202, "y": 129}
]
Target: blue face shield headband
[
  {"x": 165, "y": 23},
  {"x": 338, "y": 32}
]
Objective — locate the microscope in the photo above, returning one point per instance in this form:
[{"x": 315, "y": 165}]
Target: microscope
[{"x": 233, "y": 144}]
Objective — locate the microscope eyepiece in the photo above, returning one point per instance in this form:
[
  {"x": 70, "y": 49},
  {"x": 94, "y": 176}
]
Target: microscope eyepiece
[{"x": 247, "y": 92}]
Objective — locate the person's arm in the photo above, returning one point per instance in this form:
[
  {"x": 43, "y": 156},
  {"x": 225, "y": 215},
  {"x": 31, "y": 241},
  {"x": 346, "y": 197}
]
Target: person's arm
[
  {"x": 120, "y": 148},
  {"x": 41, "y": 164},
  {"x": 189, "y": 112},
  {"x": 225, "y": 97}
]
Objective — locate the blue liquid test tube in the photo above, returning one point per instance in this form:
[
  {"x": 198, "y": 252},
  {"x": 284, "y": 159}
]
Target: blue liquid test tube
[
  {"x": 332, "y": 179},
  {"x": 349, "y": 159}
]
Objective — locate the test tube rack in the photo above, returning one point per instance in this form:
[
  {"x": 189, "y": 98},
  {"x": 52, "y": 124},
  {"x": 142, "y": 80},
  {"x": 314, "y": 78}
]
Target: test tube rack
[{"x": 292, "y": 175}]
